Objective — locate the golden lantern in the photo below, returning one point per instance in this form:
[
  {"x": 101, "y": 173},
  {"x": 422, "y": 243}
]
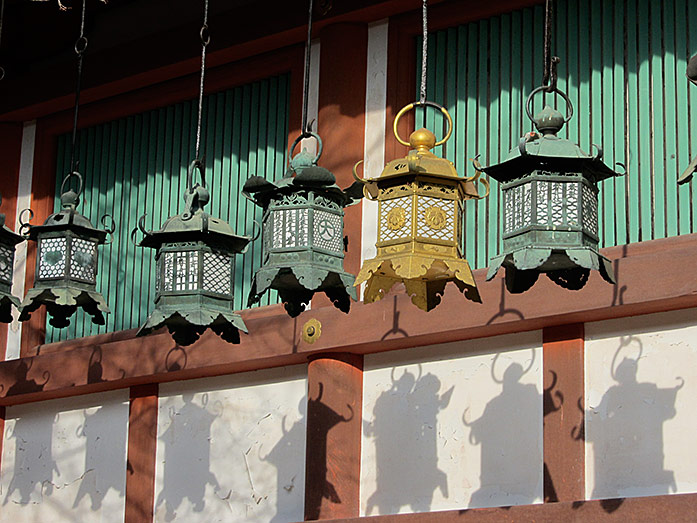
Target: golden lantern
[{"x": 420, "y": 204}]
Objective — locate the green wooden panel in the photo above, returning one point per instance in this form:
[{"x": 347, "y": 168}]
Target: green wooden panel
[
  {"x": 138, "y": 165},
  {"x": 623, "y": 67}
]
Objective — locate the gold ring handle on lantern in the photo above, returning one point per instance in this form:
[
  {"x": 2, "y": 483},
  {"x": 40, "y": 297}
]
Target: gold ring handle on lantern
[
  {"x": 370, "y": 191},
  {"x": 477, "y": 178},
  {"x": 413, "y": 105}
]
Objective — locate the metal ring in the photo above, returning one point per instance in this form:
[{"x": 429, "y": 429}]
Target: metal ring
[
  {"x": 70, "y": 175},
  {"x": 81, "y": 45},
  {"x": 2, "y": 72},
  {"x": 548, "y": 89},
  {"x": 411, "y": 106},
  {"x": 205, "y": 35},
  {"x": 25, "y": 225},
  {"x": 307, "y": 134},
  {"x": 195, "y": 164}
]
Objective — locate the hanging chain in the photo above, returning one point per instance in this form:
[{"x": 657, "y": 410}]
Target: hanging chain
[
  {"x": 549, "y": 78},
  {"x": 306, "y": 87},
  {"x": 205, "y": 40},
  {"x": 424, "y": 52},
  {"x": 2, "y": 17},
  {"x": 80, "y": 47}
]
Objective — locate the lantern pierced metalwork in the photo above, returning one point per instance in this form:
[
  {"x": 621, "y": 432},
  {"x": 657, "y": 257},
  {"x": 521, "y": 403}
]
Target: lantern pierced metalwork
[
  {"x": 550, "y": 206},
  {"x": 420, "y": 234},
  {"x": 66, "y": 262},
  {"x": 303, "y": 242},
  {"x": 195, "y": 261},
  {"x": 8, "y": 241},
  {"x": 689, "y": 172}
]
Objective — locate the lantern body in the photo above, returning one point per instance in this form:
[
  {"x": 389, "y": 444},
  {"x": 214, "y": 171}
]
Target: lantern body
[
  {"x": 8, "y": 241},
  {"x": 550, "y": 210},
  {"x": 194, "y": 274},
  {"x": 420, "y": 201},
  {"x": 66, "y": 266},
  {"x": 689, "y": 172},
  {"x": 303, "y": 242}
]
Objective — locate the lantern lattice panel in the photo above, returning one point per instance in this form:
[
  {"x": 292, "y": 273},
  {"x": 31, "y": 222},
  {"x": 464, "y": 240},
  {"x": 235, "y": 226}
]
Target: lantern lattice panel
[
  {"x": 590, "y": 210},
  {"x": 327, "y": 231},
  {"x": 216, "y": 273},
  {"x": 6, "y": 270},
  {"x": 436, "y": 218},
  {"x": 186, "y": 271},
  {"x": 517, "y": 202},
  {"x": 395, "y": 218},
  {"x": 52, "y": 260},
  {"x": 83, "y": 254},
  {"x": 289, "y": 228}
]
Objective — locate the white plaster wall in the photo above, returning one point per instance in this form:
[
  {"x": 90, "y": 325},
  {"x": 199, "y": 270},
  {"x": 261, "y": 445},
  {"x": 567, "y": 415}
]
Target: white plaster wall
[
  {"x": 453, "y": 426},
  {"x": 232, "y": 448},
  {"x": 641, "y": 383},
  {"x": 65, "y": 460},
  {"x": 26, "y": 168},
  {"x": 374, "y": 144}
]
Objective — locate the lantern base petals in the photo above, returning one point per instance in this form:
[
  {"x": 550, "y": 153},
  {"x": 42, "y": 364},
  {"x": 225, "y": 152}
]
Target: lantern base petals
[
  {"x": 7, "y": 301},
  {"x": 187, "y": 327},
  {"x": 568, "y": 268},
  {"x": 427, "y": 285},
  {"x": 297, "y": 285},
  {"x": 62, "y": 302}
]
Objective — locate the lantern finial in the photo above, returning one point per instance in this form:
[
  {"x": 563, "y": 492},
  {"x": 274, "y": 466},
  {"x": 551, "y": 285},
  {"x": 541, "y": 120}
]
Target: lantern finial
[
  {"x": 422, "y": 140},
  {"x": 549, "y": 121}
]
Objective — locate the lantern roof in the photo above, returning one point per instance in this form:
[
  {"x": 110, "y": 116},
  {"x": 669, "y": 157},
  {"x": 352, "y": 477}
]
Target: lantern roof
[
  {"x": 68, "y": 219},
  {"x": 548, "y": 151},
  {"x": 194, "y": 224},
  {"x": 303, "y": 173}
]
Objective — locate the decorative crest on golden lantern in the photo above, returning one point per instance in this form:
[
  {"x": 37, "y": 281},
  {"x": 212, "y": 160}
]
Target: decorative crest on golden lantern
[{"x": 420, "y": 235}]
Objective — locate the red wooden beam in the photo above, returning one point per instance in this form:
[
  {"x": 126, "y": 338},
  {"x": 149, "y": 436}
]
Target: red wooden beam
[
  {"x": 142, "y": 444},
  {"x": 564, "y": 452},
  {"x": 653, "y": 276}
]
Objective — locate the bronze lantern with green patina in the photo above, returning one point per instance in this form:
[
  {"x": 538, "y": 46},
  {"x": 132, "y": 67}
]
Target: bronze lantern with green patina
[
  {"x": 66, "y": 263},
  {"x": 194, "y": 270},
  {"x": 8, "y": 241},
  {"x": 303, "y": 234},
  {"x": 550, "y": 207},
  {"x": 691, "y": 74},
  {"x": 420, "y": 237}
]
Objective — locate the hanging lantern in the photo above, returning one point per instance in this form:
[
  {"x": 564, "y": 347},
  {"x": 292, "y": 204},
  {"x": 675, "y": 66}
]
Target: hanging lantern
[
  {"x": 303, "y": 224},
  {"x": 8, "y": 240},
  {"x": 194, "y": 268},
  {"x": 420, "y": 204},
  {"x": 550, "y": 207},
  {"x": 686, "y": 176},
  {"x": 66, "y": 263}
]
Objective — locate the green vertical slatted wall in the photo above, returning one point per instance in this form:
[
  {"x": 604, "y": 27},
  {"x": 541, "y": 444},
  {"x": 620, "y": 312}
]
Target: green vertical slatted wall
[
  {"x": 138, "y": 165},
  {"x": 623, "y": 66}
]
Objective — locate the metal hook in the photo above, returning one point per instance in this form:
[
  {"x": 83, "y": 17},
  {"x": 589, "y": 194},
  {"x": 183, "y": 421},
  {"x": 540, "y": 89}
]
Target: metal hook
[
  {"x": 109, "y": 228},
  {"x": 71, "y": 175},
  {"x": 258, "y": 232},
  {"x": 25, "y": 224}
]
